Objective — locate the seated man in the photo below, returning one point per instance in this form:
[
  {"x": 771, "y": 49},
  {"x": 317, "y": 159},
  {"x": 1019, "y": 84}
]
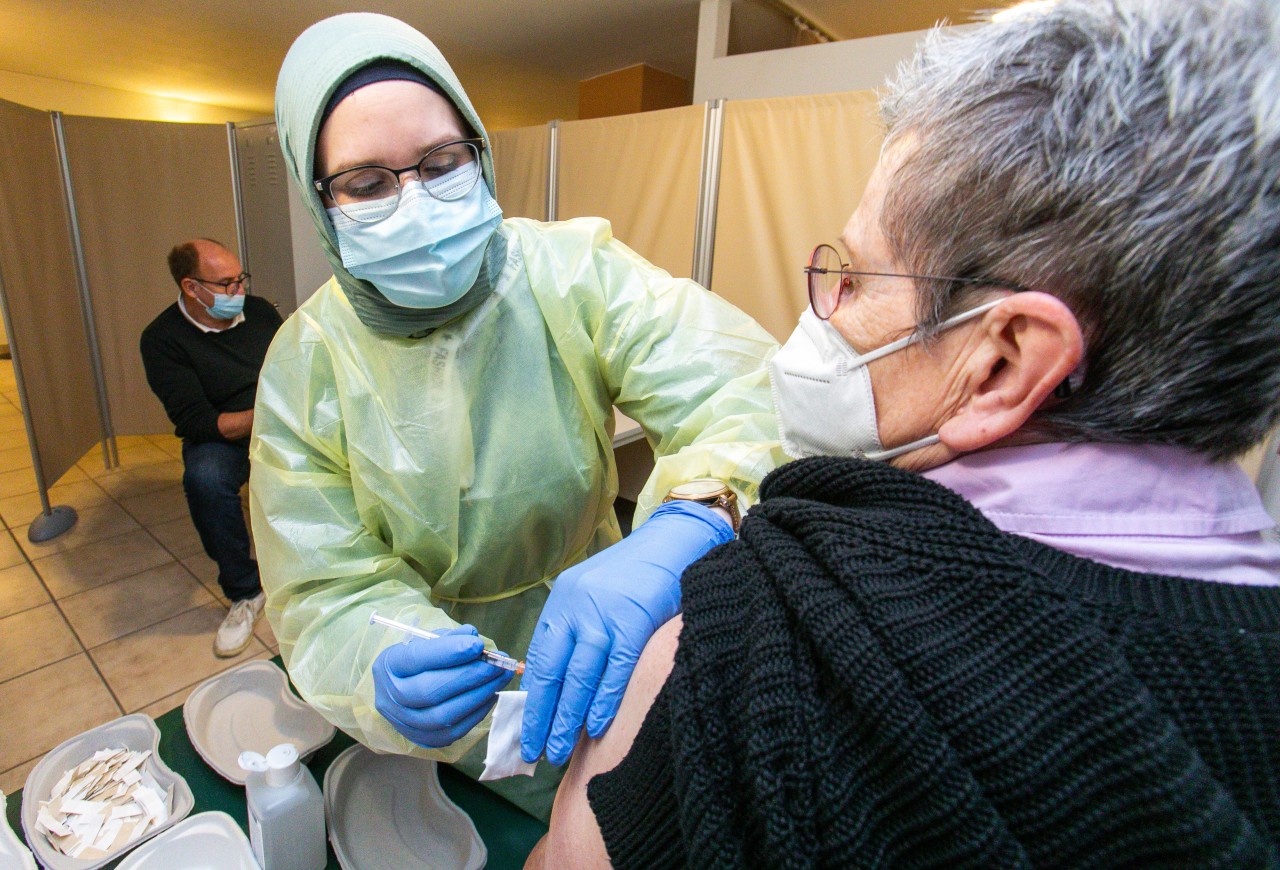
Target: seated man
[
  {"x": 202, "y": 356},
  {"x": 1044, "y": 628}
]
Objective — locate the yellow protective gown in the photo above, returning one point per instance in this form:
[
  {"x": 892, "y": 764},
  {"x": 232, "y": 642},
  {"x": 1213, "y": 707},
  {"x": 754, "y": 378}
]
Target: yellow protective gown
[{"x": 449, "y": 479}]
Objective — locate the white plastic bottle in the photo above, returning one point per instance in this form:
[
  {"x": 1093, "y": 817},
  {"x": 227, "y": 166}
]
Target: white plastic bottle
[{"x": 286, "y": 811}]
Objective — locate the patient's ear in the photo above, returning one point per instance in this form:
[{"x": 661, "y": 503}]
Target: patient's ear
[{"x": 1031, "y": 342}]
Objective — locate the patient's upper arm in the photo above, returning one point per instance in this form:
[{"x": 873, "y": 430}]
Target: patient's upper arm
[{"x": 574, "y": 839}]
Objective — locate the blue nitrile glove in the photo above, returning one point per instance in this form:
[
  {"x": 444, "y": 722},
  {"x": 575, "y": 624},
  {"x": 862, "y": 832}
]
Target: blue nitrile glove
[
  {"x": 600, "y": 614},
  {"x": 435, "y": 690}
]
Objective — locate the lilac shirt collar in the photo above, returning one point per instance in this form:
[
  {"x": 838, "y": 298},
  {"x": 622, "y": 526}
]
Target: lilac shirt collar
[{"x": 1148, "y": 508}]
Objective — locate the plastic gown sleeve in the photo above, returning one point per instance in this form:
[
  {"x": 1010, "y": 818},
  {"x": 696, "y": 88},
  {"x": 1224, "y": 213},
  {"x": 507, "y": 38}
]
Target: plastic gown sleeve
[
  {"x": 322, "y": 569},
  {"x": 682, "y": 362}
]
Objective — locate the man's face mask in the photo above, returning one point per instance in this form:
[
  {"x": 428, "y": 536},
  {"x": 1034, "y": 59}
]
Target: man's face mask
[
  {"x": 428, "y": 253},
  {"x": 822, "y": 391}
]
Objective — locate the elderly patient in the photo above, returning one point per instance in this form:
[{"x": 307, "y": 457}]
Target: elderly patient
[{"x": 1045, "y": 627}]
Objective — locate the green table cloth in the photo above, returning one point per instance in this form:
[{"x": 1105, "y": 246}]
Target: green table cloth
[{"x": 508, "y": 832}]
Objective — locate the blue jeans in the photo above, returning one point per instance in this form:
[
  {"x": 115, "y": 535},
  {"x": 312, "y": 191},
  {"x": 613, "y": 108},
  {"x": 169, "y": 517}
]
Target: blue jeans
[{"x": 212, "y": 477}]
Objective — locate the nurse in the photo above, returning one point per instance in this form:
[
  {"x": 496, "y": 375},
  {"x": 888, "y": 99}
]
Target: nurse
[{"x": 433, "y": 429}]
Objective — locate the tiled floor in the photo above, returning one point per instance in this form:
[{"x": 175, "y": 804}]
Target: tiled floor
[{"x": 113, "y": 617}]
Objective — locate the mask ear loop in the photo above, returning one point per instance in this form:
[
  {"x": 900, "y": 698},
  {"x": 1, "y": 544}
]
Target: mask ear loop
[
  {"x": 893, "y": 346},
  {"x": 928, "y": 440}
]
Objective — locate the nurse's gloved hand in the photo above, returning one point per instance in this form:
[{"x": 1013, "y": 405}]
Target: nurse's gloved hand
[
  {"x": 600, "y": 614},
  {"x": 433, "y": 691}
]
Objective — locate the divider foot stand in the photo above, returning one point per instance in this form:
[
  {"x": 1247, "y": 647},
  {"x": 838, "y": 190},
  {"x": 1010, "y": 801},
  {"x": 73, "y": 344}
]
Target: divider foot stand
[{"x": 46, "y": 527}]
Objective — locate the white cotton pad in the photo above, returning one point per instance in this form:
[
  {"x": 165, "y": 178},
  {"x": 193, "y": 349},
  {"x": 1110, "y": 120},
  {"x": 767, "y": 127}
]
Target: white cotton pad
[{"x": 503, "y": 756}]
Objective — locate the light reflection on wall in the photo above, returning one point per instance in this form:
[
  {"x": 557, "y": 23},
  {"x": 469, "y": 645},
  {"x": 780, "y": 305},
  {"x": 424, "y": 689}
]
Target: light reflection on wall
[{"x": 76, "y": 98}]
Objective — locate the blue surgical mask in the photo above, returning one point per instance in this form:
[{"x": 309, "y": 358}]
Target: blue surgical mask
[
  {"x": 225, "y": 306},
  {"x": 428, "y": 253}
]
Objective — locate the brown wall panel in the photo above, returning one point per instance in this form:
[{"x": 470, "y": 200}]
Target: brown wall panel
[
  {"x": 641, "y": 172},
  {"x": 792, "y": 171},
  {"x": 140, "y": 188},
  {"x": 520, "y": 160},
  {"x": 41, "y": 293}
]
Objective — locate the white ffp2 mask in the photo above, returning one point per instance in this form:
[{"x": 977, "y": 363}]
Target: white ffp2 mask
[{"x": 822, "y": 391}]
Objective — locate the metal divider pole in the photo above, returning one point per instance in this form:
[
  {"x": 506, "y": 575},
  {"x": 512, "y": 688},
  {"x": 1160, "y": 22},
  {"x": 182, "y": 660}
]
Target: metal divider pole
[
  {"x": 704, "y": 232},
  {"x": 237, "y": 196},
  {"x": 110, "y": 455},
  {"x": 553, "y": 167}
]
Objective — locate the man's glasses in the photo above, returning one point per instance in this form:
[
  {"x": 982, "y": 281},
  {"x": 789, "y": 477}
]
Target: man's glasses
[
  {"x": 231, "y": 286},
  {"x": 368, "y": 194},
  {"x": 830, "y": 279}
]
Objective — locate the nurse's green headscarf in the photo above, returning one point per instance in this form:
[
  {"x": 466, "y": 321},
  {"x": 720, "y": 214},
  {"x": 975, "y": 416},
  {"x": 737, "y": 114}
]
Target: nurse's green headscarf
[{"x": 319, "y": 61}]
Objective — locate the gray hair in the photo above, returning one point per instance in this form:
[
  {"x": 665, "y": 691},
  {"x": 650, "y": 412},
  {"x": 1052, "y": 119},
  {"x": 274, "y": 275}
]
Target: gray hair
[{"x": 1123, "y": 155}]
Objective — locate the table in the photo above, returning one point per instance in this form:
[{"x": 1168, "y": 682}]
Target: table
[{"x": 509, "y": 833}]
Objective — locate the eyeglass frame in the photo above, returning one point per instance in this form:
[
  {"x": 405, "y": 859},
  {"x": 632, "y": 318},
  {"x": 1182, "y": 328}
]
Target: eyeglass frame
[
  {"x": 242, "y": 280},
  {"x": 325, "y": 185},
  {"x": 813, "y": 270}
]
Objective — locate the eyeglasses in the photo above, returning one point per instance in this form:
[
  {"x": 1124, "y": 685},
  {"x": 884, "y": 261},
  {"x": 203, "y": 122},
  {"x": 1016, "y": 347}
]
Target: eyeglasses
[
  {"x": 368, "y": 194},
  {"x": 830, "y": 278},
  {"x": 238, "y": 284}
]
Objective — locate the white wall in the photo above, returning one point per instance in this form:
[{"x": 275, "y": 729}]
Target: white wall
[{"x": 851, "y": 65}]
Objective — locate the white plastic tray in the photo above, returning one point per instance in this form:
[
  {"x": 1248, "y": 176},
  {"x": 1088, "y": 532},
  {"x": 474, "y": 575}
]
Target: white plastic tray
[
  {"x": 13, "y": 855},
  {"x": 206, "y": 841},
  {"x": 250, "y": 708},
  {"x": 388, "y": 812},
  {"x": 136, "y": 732}
]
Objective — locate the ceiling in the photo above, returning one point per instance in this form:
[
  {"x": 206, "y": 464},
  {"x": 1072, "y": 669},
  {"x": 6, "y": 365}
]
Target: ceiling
[{"x": 520, "y": 59}]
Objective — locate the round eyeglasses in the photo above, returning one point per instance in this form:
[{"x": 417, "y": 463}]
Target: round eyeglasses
[
  {"x": 368, "y": 194},
  {"x": 231, "y": 286},
  {"x": 830, "y": 279}
]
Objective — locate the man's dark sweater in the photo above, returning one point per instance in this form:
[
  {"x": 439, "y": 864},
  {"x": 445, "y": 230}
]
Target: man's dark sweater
[
  {"x": 874, "y": 675},
  {"x": 198, "y": 375}
]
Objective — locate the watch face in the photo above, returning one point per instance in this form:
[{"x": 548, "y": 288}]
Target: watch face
[{"x": 704, "y": 487}]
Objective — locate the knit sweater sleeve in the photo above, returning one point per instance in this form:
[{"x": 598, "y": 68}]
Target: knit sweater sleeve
[
  {"x": 635, "y": 803},
  {"x": 172, "y": 377}
]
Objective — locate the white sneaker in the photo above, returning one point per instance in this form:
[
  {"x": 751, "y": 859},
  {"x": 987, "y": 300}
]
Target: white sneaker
[{"x": 237, "y": 629}]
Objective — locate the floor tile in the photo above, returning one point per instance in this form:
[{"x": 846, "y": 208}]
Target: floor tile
[
  {"x": 178, "y": 536},
  {"x": 15, "y": 457},
  {"x": 41, "y": 709},
  {"x": 10, "y": 552},
  {"x": 20, "y": 589},
  {"x": 178, "y": 698},
  {"x": 94, "y": 524},
  {"x": 14, "y": 423},
  {"x": 15, "y": 778},
  {"x": 129, "y": 482},
  {"x": 268, "y": 637},
  {"x": 206, "y": 571},
  {"x": 130, "y": 453},
  {"x": 157, "y": 507},
  {"x": 17, "y": 482},
  {"x": 170, "y": 444},
  {"x": 147, "y": 665},
  {"x": 107, "y": 612},
  {"x": 100, "y": 562},
  {"x": 20, "y": 510},
  {"x": 33, "y": 638}
]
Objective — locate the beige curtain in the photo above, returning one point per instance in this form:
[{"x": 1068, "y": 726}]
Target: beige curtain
[
  {"x": 792, "y": 171},
  {"x": 140, "y": 188},
  {"x": 520, "y": 160},
  {"x": 641, "y": 172},
  {"x": 41, "y": 293}
]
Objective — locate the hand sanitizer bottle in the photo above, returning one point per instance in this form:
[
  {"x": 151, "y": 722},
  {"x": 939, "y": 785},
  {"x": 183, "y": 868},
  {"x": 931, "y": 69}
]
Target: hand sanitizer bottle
[{"x": 286, "y": 811}]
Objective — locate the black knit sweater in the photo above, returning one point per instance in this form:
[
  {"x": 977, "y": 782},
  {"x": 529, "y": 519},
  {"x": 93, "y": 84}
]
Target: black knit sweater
[
  {"x": 198, "y": 375},
  {"x": 874, "y": 675}
]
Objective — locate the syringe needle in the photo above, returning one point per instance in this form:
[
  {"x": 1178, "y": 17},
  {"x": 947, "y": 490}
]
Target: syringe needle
[{"x": 494, "y": 658}]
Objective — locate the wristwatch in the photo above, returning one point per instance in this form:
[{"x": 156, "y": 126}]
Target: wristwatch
[{"x": 710, "y": 492}]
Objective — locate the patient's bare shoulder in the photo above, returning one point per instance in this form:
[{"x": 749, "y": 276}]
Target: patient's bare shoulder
[{"x": 574, "y": 838}]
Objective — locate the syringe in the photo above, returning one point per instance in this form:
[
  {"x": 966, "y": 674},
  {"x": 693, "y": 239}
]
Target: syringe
[{"x": 493, "y": 658}]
